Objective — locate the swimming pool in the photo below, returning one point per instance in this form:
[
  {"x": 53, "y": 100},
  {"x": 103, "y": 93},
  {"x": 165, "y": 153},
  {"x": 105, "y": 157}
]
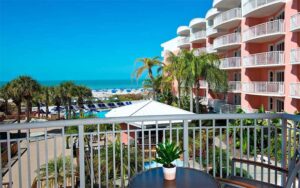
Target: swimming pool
[{"x": 101, "y": 114}]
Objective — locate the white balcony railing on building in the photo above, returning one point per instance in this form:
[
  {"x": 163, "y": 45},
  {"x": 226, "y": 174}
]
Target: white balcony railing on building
[
  {"x": 198, "y": 35},
  {"x": 295, "y": 56},
  {"x": 234, "y": 86},
  {"x": 229, "y": 39},
  {"x": 108, "y": 152},
  {"x": 251, "y": 5},
  {"x": 210, "y": 49},
  {"x": 295, "y": 22},
  {"x": 295, "y": 90},
  {"x": 263, "y": 30},
  {"x": 199, "y": 51},
  {"x": 231, "y": 62},
  {"x": 265, "y": 88},
  {"x": 183, "y": 41},
  {"x": 211, "y": 31},
  {"x": 264, "y": 59},
  {"x": 227, "y": 16}
]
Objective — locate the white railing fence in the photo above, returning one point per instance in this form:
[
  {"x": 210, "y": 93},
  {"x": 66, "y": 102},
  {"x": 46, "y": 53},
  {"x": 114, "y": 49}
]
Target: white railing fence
[
  {"x": 199, "y": 51},
  {"x": 264, "y": 29},
  {"x": 295, "y": 90},
  {"x": 263, "y": 59},
  {"x": 295, "y": 21},
  {"x": 227, "y": 39},
  {"x": 198, "y": 35},
  {"x": 251, "y": 5},
  {"x": 295, "y": 56},
  {"x": 183, "y": 41},
  {"x": 263, "y": 87},
  {"x": 235, "y": 86},
  {"x": 228, "y": 15},
  {"x": 107, "y": 152},
  {"x": 231, "y": 62}
]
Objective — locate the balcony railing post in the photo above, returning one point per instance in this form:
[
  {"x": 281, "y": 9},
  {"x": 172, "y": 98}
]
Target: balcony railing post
[
  {"x": 283, "y": 148},
  {"x": 81, "y": 156},
  {"x": 186, "y": 143}
]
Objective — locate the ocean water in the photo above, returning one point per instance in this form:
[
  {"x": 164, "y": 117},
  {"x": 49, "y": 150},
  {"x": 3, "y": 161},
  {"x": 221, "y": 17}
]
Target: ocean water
[{"x": 96, "y": 84}]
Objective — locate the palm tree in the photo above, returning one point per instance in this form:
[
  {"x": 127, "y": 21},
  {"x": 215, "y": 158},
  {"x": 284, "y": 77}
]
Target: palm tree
[
  {"x": 15, "y": 92},
  {"x": 148, "y": 65},
  {"x": 45, "y": 97},
  {"x": 67, "y": 90},
  {"x": 82, "y": 92},
  {"x": 177, "y": 69},
  {"x": 4, "y": 94},
  {"x": 60, "y": 172},
  {"x": 30, "y": 88},
  {"x": 55, "y": 98},
  {"x": 206, "y": 66}
]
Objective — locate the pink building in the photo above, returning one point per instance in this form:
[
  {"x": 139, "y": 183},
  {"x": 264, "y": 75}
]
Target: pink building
[{"x": 258, "y": 42}]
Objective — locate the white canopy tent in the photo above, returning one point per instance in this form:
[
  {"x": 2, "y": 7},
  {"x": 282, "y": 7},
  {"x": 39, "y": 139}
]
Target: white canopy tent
[{"x": 147, "y": 108}]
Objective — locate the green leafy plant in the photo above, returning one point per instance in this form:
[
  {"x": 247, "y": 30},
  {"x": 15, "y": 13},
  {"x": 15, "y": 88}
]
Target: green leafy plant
[{"x": 166, "y": 153}]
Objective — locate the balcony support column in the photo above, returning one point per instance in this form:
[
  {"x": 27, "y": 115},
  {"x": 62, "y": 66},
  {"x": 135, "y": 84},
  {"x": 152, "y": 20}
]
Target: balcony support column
[
  {"x": 283, "y": 148},
  {"x": 81, "y": 156},
  {"x": 186, "y": 143}
]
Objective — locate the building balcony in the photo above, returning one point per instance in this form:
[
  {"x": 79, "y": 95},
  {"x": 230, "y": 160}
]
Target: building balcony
[
  {"x": 230, "y": 63},
  {"x": 295, "y": 90},
  {"x": 264, "y": 32},
  {"x": 211, "y": 13},
  {"x": 212, "y": 32},
  {"x": 263, "y": 88},
  {"x": 226, "y": 4},
  {"x": 261, "y": 8},
  {"x": 210, "y": 49},
  {"x": 228, "y": 19},
  {"x": 183, "y": 31},
  {"x": 295, "y": 22},
  {"x": 234, "y": 86},
  {"x": 295, "y": 56},
  {"x": 266, "y": 59},
  {"x": 110, "y": 151},
  {"x": 199, "y": 51},
  {"x": 228, "y": 42},
  {"x": 197, "y": 37},
  {"x": 183, "y": 42},
  {"x": 229, "y": 108}
]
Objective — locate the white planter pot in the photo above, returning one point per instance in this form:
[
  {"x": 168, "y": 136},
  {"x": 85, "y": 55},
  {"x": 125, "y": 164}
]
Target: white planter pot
[{"x": 169, "y": 173}]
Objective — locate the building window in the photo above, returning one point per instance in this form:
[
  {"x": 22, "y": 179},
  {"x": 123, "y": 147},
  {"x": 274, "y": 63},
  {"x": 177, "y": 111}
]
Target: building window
[
  {"x": 279, "y": 105},
  {"x": 270, "y": 103}
]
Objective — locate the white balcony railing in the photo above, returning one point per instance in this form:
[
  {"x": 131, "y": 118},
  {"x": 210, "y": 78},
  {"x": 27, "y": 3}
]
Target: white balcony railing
[
  {"x": 231, "y": 62},
  {"x": 263, "y": 88},
  {"x": 252, "y": 5},
  {"x": 199, "y": 51},
  {"x": 264, "y": 30},
  {"x": 210, "y": 31},
  {"x": 227, "y": 16},
  {"x": 274, "y": 58},
  {"x": 183, "y": 41},
  {"x": 295, "y": 56},
  {"x": 295, "y": 22},
  {"x": 198, "y": 35},
  {"x": 225, "y": 40},
  {"x": 210, "y": 49},
  {"x": 108, "y": 152},
  {"x": 234, "y": 86},
  {"x": 295, "y": 90}
]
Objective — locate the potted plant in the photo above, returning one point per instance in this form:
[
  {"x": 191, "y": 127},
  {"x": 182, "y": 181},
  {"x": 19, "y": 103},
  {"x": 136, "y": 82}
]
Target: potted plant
[{"x": 166, "y": 153}]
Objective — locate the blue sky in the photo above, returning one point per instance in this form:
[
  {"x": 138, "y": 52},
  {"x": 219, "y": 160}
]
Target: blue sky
[{"x": 87, "y": 39}]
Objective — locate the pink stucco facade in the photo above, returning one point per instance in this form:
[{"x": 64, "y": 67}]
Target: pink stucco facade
[{"x": 258, "y": 43}]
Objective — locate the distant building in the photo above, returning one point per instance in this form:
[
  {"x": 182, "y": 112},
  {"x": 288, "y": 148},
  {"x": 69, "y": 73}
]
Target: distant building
[{"x": 259, "y": 46}]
